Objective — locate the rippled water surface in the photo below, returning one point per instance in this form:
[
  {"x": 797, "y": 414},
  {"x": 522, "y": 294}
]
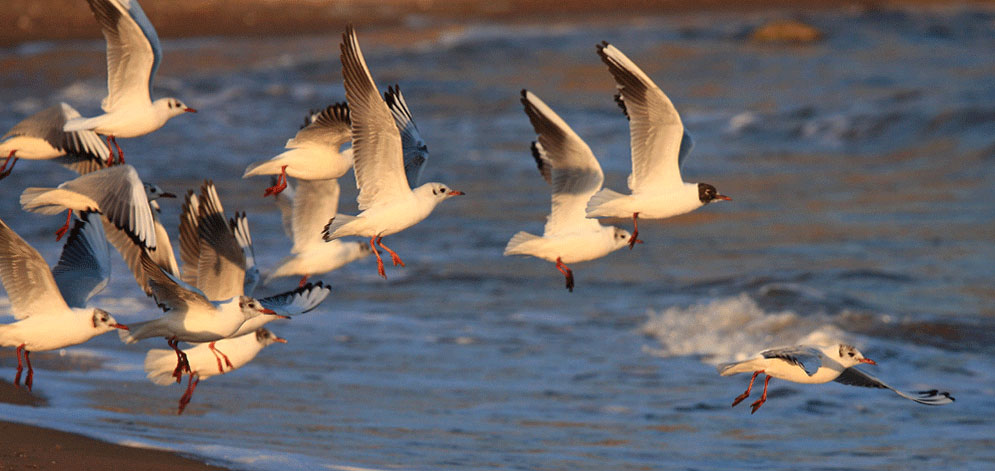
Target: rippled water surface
[{"x": 861, "y": 173}]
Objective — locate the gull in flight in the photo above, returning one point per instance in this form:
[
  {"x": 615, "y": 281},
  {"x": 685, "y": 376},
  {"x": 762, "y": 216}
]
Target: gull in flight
[
  {"x": 566, "y": 162},
  {"x": 387, "y": 203},
  {"x": 659, "y": 146},
  {"x": 50, "y": 306},
  {"x": 133, "y": 56},
  {"x": 241, "y": 350},
  {"x": 818, "y": 364},
  {"x": 314, "y": 153},
  {"x": 40, "y": 137}
]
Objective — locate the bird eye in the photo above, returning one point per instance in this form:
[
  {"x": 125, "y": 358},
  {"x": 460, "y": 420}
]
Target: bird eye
[{"x": 851, "y": 353}]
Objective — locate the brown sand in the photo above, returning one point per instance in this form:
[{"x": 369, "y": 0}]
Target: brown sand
[{"x": 26, "y": 447}]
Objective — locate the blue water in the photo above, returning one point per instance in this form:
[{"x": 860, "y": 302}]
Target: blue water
[{"x": 861, "y": 169}]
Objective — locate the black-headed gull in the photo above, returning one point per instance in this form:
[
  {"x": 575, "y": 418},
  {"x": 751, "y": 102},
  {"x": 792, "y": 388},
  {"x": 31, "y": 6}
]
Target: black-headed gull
[
  {"x": 117, "y": 193},
  {"x": 133, "y": 55},
  {"x": 818, "y": 364},
  {"x": 314, "y": 153},
  {"x": 656, "y": 133},
  {"x": 305, "y": 208},
  {"x": 241, "y": 350},
  {"x": 190, "y": 315},
  {"x": 45, "y": 321},
  {"x": 387, "y": 204},
  {"x": 40, "y": 137},
  {"x": 566, "y": 162}
]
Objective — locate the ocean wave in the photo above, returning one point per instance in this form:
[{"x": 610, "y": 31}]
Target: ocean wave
[{"x": 734, "y": 328}]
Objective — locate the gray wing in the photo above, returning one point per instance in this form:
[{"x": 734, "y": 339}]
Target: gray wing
[
  {"x": 329, "y": 127},
  {"x": 298, "y": 301},
  {"x": 687, "y": 142},
  {"x": 376, "y": 143},
  {"x": 189, "y": 240},
  {"x": 25, "y": 275},
  {"x": 169, "y": 291},
  {"x": 807, "y": 358},
  {"x": 120, "y": 195},
  {"x": 574, "y": 171},
  {"x": 163, "y": 254},
  {"x": 84, "y": 268},
  {"x": 85, "y": 151},
  {"x": 285, "y": 202},
  {"x": 855, "y": 377},
  {"x": 315, "y": 202},
  {"x": 414, "y": 148},
  {"x": 240, "y": 227},
  {"x": 221, "y": 265},
  {"x": 655, "y": 127},
  {"x": 133, "y": 52}
]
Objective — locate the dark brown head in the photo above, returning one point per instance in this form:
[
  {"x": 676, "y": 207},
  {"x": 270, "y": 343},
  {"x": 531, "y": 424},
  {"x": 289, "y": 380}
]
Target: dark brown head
[{"x": 708, "y": 194}]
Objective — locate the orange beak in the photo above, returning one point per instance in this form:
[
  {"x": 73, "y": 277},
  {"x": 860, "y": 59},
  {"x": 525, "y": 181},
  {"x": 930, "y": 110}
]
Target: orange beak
[
  {"x": 868, "y": 361},
  {"x": 281, "y": 340},
  {"x": 189, "y": 110},
  {"x": 120, "y": 326},
  {"x": 723, "y": 198},
  {"x": 456, "y": 193}
]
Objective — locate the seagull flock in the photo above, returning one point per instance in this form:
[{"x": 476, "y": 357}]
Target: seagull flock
[{"x": 207, "y": 299}]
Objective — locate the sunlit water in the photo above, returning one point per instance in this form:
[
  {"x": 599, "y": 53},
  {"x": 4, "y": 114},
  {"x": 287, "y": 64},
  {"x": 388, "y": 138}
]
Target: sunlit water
[{"x": 861, "y": 173}]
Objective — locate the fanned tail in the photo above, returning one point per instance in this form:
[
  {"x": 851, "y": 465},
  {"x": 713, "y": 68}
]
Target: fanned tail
[
  {"x": 600, "y": 205},
  {"x": 514, "y": 246},
  {"x": 159, "y": 366},
  {"x": 334, "y": 225}
]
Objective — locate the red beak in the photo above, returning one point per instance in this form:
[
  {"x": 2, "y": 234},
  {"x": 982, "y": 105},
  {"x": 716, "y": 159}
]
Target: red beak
[
  {"x": 868, "y": 361},
  {"x": 189, "y": 110},
  {"x": 120, "y": 326},
  {"x": 279, "y": 339},
  {"x": 723, "y": 198},
  {"x": 456, "y": 193}
]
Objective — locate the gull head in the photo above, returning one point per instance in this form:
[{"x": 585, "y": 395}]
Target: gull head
[
  {"x": 265, "y": 337},
  {"x": 251, "y": 308},
  {"x": 620, "y": 238},
  {"x": 850, "y": 356},
  {"x": 103, "y": 321},
  {"x": 708, "y": 194},
  {"x": 153, "y": 192},
  {"x": 172, "y": 107},
  {"x": 436, "y": 192}
]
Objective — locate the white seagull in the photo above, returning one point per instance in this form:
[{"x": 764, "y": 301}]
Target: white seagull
[
  {"x": 809, "y": 364},
  {"x": 40, "y": 137},
  {"x": 241, "y": 350},
  {"x": 117, "y": 193},
  {"x": 314, "y": 153},
  {"x": 566, "y": 162},
  {"x": 133, "y": 55},
  {"x": 305, "y": 208},
  {"x": 659, "y": 145},
  {"x": 47, "y": 318},
  {"x": 387, "y": 203}
]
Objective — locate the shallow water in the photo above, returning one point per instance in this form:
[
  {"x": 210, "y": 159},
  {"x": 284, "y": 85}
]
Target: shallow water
[{"x": 861, "y": 173}]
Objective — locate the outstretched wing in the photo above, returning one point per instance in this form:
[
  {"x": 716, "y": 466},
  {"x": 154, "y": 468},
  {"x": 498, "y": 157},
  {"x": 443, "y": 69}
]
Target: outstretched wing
[
  {"x": 572, "y": 167},
  {"x": 24, "y": 273},
  {"x": 855, "y": 377},
  {"x": 133, "y": 52},
  {"x": 221, "y": 262},
  {"x": 806, "y": 358},
  {"x": 84, "y": 268},
  {"x": 414, "y": 147},
  {"x": 655, "y": 127},
  {"x": 298, "y": 301},
  {"x": 329, "y": 127},
  {"x": 376, "y": 142}
]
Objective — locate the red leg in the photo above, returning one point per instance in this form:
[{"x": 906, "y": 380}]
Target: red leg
[
  {"x": 567, "y": 273},
  {"x": 31, "y": 372},
  {"x": 17, "y": 378},
  {"x": 218, "y": 355},
  {"x": 188, "y": 394},
  {"x": 4, "y": 171},
  {"x": 182, "y": 365},
  {"x": 65, "y": 227},
  {"x": 120, "y": 153},
  {"x": 634, "y": 239},
  {"x": 376, "y": 252},
  {"x": 748, "y": 389},
  {"x": 393, "y": 255},
  {"x": 303, "y": 281},
  {"x": 281, "y": 183},
  {"x": 763, "y": 398}
]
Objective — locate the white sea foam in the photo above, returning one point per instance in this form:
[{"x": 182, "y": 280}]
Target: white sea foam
[{"x": 733, "y": 328}]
